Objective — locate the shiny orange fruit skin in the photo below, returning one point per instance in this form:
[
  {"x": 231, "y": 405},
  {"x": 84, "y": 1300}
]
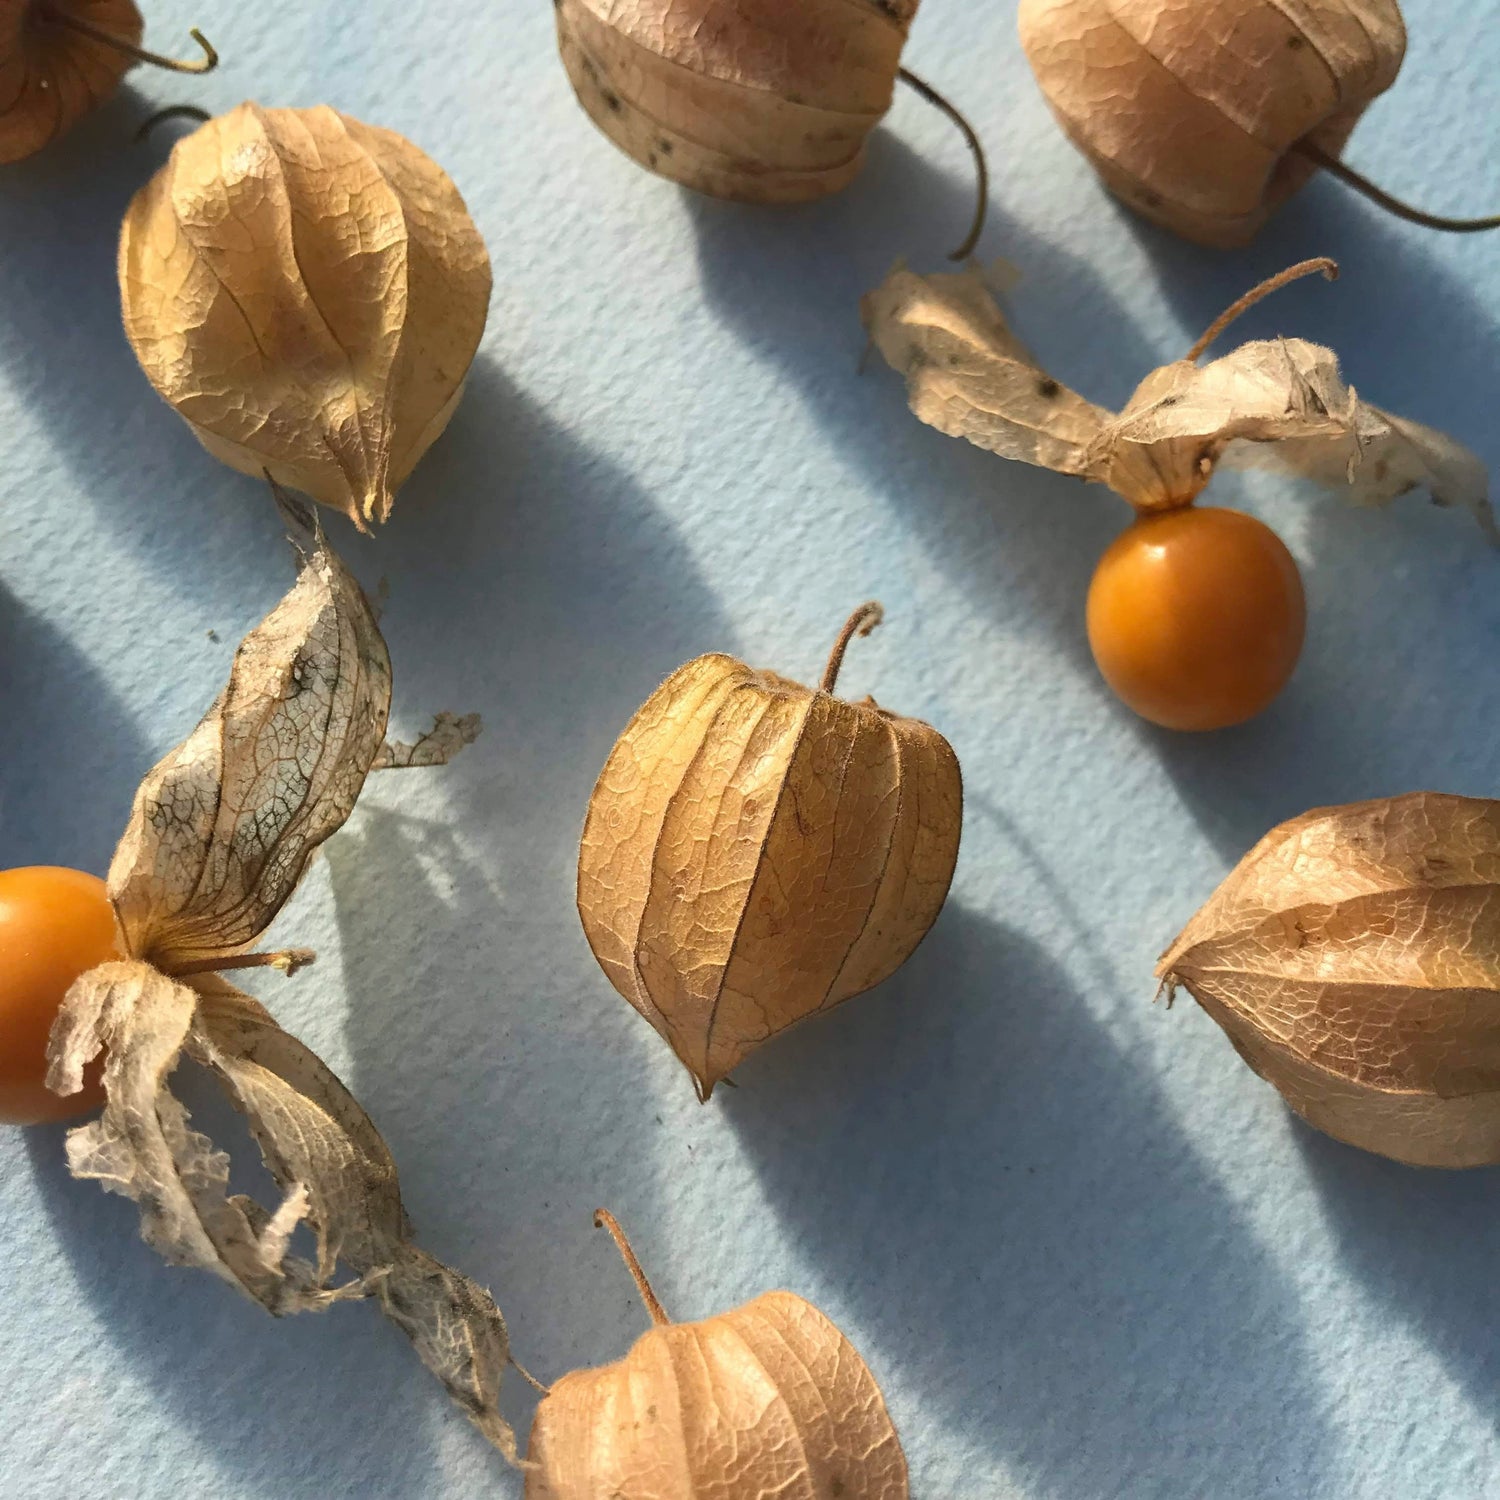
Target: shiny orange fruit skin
[
  {"x": 1196, "y": 617},
  {"x": 55, "y": 924}
]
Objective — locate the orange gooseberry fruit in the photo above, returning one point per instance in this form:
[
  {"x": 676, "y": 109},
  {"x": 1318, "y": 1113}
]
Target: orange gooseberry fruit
[
  {"x": 55, "y": 924},
  {"x": 1196, "y": 617}
]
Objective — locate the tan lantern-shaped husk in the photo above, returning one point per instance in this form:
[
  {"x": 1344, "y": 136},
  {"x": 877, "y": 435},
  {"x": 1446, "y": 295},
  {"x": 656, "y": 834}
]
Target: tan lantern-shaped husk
[
  {"x": 52, "y": 74},
  {"x": 1353, "y": 957},
  {"x": 768, "y": 1399},
  {"x": 767, "y": 101},
  {"x": 308, "y": 292},
  {"x": 756, "y": 852},
  {"x": 1191, "y": 110}
]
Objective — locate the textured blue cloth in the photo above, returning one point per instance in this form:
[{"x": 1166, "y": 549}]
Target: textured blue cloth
[{"x": 1087, "y": 1253}]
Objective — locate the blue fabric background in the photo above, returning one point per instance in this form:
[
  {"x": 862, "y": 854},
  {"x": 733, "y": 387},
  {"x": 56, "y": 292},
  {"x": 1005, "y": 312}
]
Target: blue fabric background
[{"x": 1085, "y": 1250}]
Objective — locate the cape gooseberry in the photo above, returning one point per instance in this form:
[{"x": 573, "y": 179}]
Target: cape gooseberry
[
  {"x": 757, "y": 851},
  {"x": 61, "y": 58},
  {"x": 763, "y": 101},
  {"x": 1207, "y": 115}
]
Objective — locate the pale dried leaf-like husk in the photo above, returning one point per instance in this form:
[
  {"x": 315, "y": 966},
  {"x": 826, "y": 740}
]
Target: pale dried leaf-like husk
[
  {"x": 1353, "y": 957},
  {"x": 756, "y": 852},
  {"x": 1190, "y": 109},
  {"x": 308, "y": 292},
  {"x": 968, "y": 375},
  {"x": 52, "y": 75},
  {"x": 1278, "y": 402},
  {"x": 767, "y": 1400},
  {"x": 223, "y": 826},
  {"x": 335, "y": 1172},
  {"x": 448, "y": 735},
  {"x": 768, "y": 101}
]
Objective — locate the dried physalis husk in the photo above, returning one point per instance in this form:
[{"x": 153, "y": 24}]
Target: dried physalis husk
[
  {"x": 52, "y": 74},
  {"x": 769, "y": 1399},
  {"x": 1353, "y": 957},
  {"x": 768, "y": 101},
  {"x": 757, "y": 851},
  {"x": 1274, "y": 402},
  {"x": 221, "y": 831},
  {"x": 1196, "y": 113},
  {"x": 61, "y": 58},
  {"x": 309, "y": 293}
]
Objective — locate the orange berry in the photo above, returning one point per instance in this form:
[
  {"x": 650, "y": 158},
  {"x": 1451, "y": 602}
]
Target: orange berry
[
  {"x": 55, "y": 924},
  {"x": 1196, "y": 617}
]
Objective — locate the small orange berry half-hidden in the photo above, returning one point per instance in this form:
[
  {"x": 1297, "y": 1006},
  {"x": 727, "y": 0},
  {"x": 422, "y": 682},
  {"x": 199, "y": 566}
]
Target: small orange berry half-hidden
[
  {"x": 1196, "y": 617},
  {"x": 55, "y": 925}
]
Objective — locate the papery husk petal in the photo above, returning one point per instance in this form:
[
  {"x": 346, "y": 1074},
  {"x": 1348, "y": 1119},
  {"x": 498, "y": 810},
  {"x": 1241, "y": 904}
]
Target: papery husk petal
[
  {"x": 760, "y": 100},
  {"x": 1282, "y": 404},
  {"x": 1278, "y": 403},
  {"x": 51, "y": 75},
  {"x": 968, "y": 375},
  {"x": 223, "y": 826},
  {"x": 335, "y": 1171},
  {"x": 1189, "y": 110},
  {"x": 756, "y": 852},
  {"x": 769, "y": 1399},
  {"x": 308, "y": 292},
  {"x": 1354, "y": 958}
]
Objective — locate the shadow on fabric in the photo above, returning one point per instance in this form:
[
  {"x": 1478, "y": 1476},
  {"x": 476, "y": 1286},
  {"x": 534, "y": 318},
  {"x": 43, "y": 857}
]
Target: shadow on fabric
[{"x": 1012, "y": 1206}]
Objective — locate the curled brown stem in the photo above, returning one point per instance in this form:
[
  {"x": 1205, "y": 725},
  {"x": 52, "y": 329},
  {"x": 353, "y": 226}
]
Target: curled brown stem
[
  {"x": 1329, "y": 268},
  {"x": 205, "y": 64},
  {"x": 981, "y": 166},
  {"x": 171, "y": 112},
  {"x": 861, "y": 622},
  {"x": 1391, "y": 204},
  {"x": 605, "y": 1220}
]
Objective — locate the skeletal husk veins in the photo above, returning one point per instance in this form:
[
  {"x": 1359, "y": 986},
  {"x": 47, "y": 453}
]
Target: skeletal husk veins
[
  {"x": 756, "y": 852},
  {"x": 1191, "y": 111},
  {"x": 768, "y": 1399},
  {"x": 308, "y": 292},
  {"x": 220, "y": 833},
  {"x": 1275, "y": 403},
  {"x": 1353, "y": 958},
  {"x": 769, "y": 101},
  {"x": 52, "y": 74}
]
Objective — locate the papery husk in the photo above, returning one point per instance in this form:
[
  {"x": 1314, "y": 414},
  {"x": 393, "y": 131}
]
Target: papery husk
[
  {"x": 50, "y": 74},
  {"x": 221, "y": 831},
  {"x": 766, "y": 101},
  {"x": 1273, "y": 402},
  {"x": 756, "y": 852},
  {"x": 1190, "y": 110},
  {"x": 1353, "y": 958},
  {"x": 223, "y": 826},
  {"x": 334, "y": 1170},
  {"x": 308, "y": 292},
  {"x": 769, "y": 1399}
]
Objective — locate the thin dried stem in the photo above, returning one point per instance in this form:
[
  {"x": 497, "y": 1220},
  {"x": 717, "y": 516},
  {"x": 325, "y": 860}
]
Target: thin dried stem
[
  {"x": 288, "y": 960},
  {"x": 861, "y": 622},
  {"x": 1329, "y": 268},
  {"x": 603, "y": 1219},
  {"x": 528, "y": 1377},
  {"x": 981, "y": 165},
  {"x": 171, "y": 112},
  {"x": 205, "y": 64},
  {"x": 1392, "y": 205}
]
